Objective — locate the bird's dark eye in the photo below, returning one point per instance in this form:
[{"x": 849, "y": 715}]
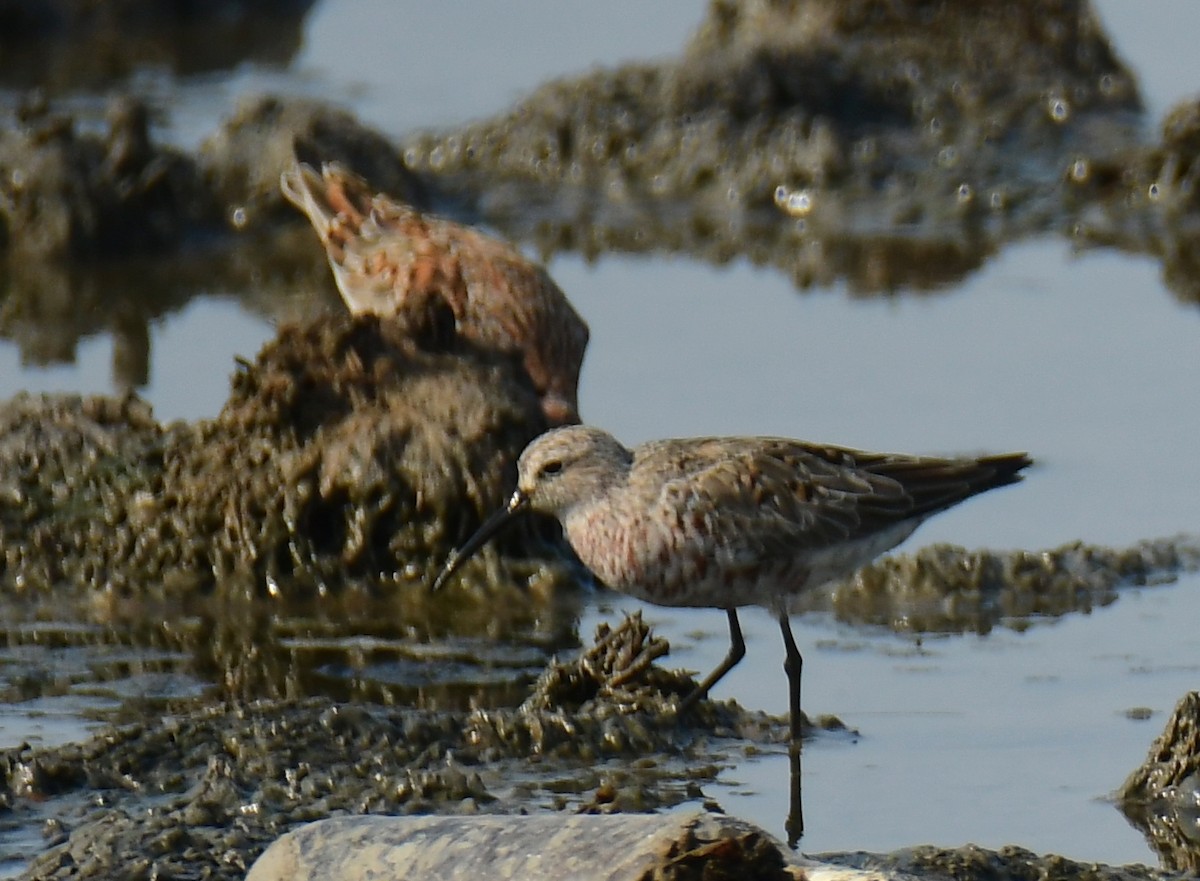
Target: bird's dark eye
[{"x": 554, "y": 466}]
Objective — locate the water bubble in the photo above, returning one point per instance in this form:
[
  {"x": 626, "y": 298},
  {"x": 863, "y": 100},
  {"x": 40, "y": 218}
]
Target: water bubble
[{"x": 797, "y": 203}]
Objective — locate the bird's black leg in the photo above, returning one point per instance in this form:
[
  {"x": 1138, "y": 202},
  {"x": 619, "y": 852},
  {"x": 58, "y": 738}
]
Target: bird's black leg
[
  {"x": 737, "y": 651},
  {"x": 794, "y": 825},
  {"x": 792, "y": 666}
]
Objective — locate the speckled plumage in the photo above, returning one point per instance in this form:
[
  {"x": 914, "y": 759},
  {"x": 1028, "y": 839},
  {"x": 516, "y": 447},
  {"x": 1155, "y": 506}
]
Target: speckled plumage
[
  {"x": 383, "y": 253},
  {"x": 734, "y": 521}
]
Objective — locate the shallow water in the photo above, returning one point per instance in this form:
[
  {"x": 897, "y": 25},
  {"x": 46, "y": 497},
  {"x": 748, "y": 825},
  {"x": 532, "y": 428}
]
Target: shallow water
[{"x": 1084, "y": 359}]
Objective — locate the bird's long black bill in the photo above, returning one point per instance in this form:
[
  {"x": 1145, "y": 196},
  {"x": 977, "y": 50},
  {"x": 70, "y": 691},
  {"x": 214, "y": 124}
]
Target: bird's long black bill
[{"x": 490, "y": 527}]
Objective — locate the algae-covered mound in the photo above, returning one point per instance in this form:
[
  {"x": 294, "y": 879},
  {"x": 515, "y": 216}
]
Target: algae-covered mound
[
  {"x": 348, "y": 449},
  {"x": 202, "y": 793},
  {"x": 809, "y": 92},
  {"x": 74, "y": 473},
  {"x": 909, "y": 140},
  {"x": 1160, "y": 796},
  {"x": 946, "y": 589},
  {"x": 973, "y": 863}
]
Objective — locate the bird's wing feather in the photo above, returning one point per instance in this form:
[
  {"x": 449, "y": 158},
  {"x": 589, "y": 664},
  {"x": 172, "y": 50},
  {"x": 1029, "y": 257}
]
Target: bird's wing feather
[{"x": 754, "y": 499}]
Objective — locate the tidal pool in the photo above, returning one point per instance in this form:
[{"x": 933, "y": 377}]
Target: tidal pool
[{"x": 1082, "y": 357}]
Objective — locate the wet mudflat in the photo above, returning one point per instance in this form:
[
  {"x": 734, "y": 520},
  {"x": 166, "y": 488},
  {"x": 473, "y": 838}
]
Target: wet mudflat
[{"x": 992, "y": 717}]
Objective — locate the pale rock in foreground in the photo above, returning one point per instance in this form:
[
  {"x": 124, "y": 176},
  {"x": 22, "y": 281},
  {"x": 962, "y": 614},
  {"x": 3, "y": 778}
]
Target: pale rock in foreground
[{"x": 551, "y": 846}]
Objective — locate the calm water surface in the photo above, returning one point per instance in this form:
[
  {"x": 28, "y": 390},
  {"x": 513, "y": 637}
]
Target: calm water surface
[{"x": 1084, "y": 359}]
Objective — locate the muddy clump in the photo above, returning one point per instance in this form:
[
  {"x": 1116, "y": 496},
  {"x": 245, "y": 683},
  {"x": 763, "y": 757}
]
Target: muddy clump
[
  {"x": 946, "y": 589},
  {"x": 1162, "y": 797},
  {"x": 796, "y": 90},
  {"x": 896, "y": 124},
  {"x": 346, "y": 451},
  {"x": 378, "y": 450},
  {"x": 204, "y": 792},
  {"x": 73, "y": 469},
  {"x": 973, "y": 863}
]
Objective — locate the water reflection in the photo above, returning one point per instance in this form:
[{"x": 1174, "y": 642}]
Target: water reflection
[
  {"x": 62, "y": 47},
  {"x": 126, "y": 658},
  {"x": 48, "y": 308}
]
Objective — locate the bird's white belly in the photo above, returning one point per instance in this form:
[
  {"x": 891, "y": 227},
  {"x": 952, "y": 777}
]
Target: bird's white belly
[{"x": 661, "y": 568}]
